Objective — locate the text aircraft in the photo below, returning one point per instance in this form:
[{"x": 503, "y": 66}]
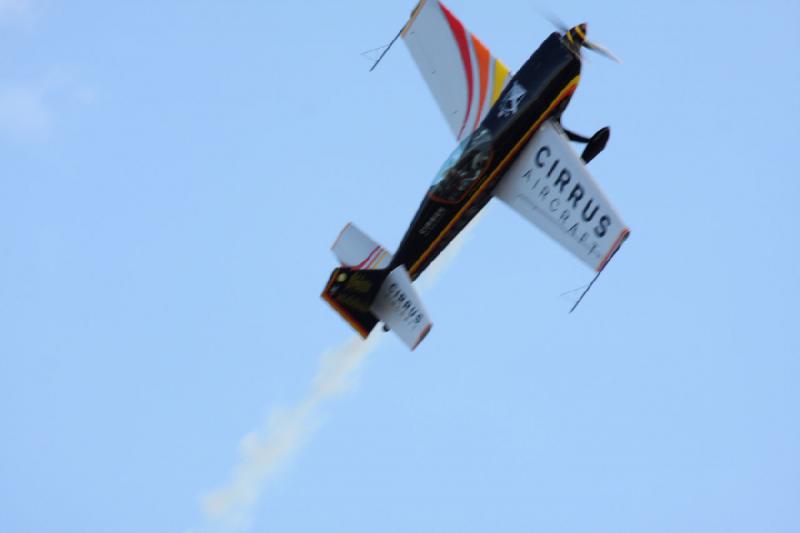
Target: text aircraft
[{"x": 511, "y": 146}]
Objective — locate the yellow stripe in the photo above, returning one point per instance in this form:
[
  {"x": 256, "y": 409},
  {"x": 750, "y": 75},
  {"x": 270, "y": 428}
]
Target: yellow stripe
[
  {"x": 569, "y": 36},
  {"x": 569, "y": 88},
  {"x": 412, "y": 18},
  {"x": 500, "y": 74},
  {"x": 385, "y": 254},
  {"x": 377, "y": 260},
  {"x": 580, "y": 33}
]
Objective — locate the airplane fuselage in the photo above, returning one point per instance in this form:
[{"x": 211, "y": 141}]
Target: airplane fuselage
[{"x": 540, "y": 90}]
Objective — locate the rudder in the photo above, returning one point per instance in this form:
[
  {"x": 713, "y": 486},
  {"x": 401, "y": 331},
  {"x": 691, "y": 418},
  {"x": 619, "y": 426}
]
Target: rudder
[{"x": 351, "y": 293}]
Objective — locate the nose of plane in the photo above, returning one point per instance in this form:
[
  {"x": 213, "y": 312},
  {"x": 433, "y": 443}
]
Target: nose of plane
[
  {"x": 580, "y": 31},
  {"x": 576, "y": 36}
]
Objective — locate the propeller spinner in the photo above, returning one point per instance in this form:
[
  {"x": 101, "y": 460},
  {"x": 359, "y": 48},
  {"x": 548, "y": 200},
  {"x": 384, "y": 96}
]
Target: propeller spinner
[{"x": 575, "y": 38}]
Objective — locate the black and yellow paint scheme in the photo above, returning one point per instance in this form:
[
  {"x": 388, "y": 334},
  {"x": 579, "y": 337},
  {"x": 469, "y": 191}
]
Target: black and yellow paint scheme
[{"x": 539, "y": 91}]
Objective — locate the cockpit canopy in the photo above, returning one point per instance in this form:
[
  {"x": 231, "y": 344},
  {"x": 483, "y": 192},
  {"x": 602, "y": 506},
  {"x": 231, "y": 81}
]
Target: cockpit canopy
[{"x": 468, "y": 162}]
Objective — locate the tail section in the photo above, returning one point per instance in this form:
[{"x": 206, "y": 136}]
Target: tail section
[
  {"x": 363, "y": 293},
  {"x": 351, "y": 293}
]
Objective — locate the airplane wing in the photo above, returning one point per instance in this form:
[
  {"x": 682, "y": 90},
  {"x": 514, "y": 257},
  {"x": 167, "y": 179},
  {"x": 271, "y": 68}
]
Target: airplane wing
[
  {"x": 550, "y": 186},
  {"x": 462, "y": 74}
]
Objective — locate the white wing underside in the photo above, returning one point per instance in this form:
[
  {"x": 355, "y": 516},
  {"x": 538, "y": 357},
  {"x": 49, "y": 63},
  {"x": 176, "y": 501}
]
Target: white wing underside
[
  {"x": 462, "y": 74},
  {"x": 550, "y": 186}
]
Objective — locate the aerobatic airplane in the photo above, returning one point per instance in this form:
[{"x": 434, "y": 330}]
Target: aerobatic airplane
[{"x": 511, "y": 146}]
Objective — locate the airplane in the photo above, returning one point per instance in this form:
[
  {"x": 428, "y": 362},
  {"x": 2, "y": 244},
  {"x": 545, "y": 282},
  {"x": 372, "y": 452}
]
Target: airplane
[{"x": 511, "y": 146}]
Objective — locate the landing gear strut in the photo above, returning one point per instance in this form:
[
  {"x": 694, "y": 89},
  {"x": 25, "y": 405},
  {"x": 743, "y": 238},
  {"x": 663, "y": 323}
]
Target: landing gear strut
[{"x": 594, "y": 145}]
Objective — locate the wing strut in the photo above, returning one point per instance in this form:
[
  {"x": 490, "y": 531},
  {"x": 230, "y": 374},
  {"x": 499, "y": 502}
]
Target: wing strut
[
  {"x": 594, "y": 145},
  {"x": 385, "y": 49}
]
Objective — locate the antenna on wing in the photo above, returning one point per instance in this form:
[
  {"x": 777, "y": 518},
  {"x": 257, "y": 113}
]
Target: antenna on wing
[
  {"x": 385, "y": 49},
  {"x": 595, "y": 277},
  {"x": 589, "y": 286}
]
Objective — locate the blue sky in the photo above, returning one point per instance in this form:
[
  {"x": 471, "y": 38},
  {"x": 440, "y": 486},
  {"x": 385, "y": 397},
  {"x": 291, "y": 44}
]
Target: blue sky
[{"x": 173, "y": 175}]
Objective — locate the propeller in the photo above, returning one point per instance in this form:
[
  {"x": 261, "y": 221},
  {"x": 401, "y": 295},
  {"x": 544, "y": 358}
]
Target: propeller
[
  {"x": 580, "y": 40},
  {"x": 602, "y": 50}
]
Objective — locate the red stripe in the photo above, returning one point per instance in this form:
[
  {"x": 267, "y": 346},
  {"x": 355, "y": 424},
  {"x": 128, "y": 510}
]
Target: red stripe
[
  {"x": 461, "y": 39},
  {"x": 375, "y": 259},
  {"x": 621, "y": 237},
  {"x": 360, "y": 266}
]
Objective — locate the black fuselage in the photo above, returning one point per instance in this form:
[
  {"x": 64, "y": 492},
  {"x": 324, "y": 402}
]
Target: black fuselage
[{"x": 540, "y": 90}]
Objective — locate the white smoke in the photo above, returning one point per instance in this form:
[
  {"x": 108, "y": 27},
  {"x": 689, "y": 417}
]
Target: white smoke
[{"x": 264, "y": 452}]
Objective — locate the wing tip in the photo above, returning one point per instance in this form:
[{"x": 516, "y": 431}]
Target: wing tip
[
  {"x": 622, "y": 237},
  {"x": 422, "y": 335},
  {"x": 412, "y": 17},
  {"x": 341, "y": 234}
]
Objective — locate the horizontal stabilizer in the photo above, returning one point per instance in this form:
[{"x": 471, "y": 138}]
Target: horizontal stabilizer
[
  {"x": 550, "y": 186},
  {"x": 399, "y": 307},
  {"x": 364, "y": 291},
  {"x": 353, "y": 248}
]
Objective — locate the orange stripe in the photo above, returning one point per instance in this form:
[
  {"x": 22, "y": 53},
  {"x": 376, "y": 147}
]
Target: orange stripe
[
  {"x": 622, "y": 236},
  {"x": 413, "y": 17},
  {"x": 483, "y": 56},
  {"x": 565, "y": 92}
]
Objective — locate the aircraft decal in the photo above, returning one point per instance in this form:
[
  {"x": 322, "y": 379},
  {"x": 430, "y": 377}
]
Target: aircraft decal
[
  {"x": 550, "y": 187},
  {"x": 511, "y": 102}
]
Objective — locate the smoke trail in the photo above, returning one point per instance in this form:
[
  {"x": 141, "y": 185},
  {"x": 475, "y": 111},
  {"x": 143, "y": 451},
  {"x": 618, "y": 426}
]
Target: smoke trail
[{"x": 264, "y": 452}]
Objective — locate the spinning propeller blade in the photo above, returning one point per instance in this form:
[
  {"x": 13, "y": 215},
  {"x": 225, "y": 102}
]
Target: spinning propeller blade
[
  {"x": 579, "y": 39},
  {"x": 602, "y": 50}
]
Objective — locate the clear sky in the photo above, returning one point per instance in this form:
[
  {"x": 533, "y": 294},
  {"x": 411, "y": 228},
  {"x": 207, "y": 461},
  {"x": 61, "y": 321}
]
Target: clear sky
[{"x": 172, "y": 175}]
